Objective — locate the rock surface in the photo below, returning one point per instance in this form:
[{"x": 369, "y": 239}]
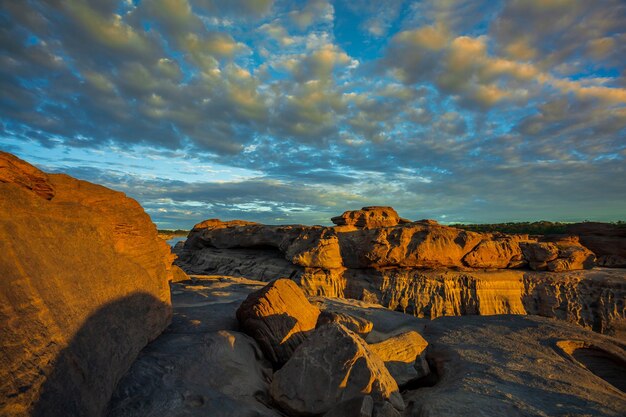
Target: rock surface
[
  {"x": 487, "y": 366},
  {"x": 333, "y": 365},
  {"x": 358, "y": 325},
  {"x": 397, "y": 244},
  {"x": 278, "y": 317},
  {"x": 591, "y": 298},
  {"x": 514, "y": 366},
  {"x": 369, "y": 217},
  {"x": 84, "y": 288},
  {"x": 404, "y": 356},
  {"x": 607, "y": 241}
]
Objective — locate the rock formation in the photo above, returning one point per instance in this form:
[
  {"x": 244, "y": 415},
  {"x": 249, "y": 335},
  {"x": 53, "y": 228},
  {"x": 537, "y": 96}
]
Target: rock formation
[
  {"x": 370, "y": 217},
  {"x": 394, "y": 244},
  {"x": 84, "y": 288},
  {"x": 404, "y": 356},
  {"x": 607, "y": 241},
  {"x": 279, "y": 317},
  {"x": 420, "y": 268},
  {"x": 487, "y": 366},
  {"x": 519, "y": 366},
  {"x": 333, "y": 365}
]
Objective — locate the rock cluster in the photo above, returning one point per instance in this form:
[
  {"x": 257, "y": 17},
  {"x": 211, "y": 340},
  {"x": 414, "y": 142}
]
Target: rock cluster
[
  {"x": 389, "y": 242},
  {"x": 321, "y": 369},
  {"x": 421, "y": 268},
  {"x": 607, "y": 241},
  {"x": 480, "y": 365},
  {"x": 84, "y": 288}
]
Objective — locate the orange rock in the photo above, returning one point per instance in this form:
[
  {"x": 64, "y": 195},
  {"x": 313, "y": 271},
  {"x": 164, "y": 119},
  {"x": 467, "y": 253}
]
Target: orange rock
[
  {"x": 369, "y": 217},
  {"x": 278, "y": 317},
  {"x": 84, "y": 287}
]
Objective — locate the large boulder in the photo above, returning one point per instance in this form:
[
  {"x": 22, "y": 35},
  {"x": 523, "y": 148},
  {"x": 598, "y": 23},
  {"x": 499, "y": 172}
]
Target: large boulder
[
  {"x": 196, "y": 374},
  {"x": 369, "y": 217},
  {"x": 333, "y": 365},
  {"x": 404, "y": 356},
  {"x": 84, "y": 287},
  {"x": 278, "y": 317}
]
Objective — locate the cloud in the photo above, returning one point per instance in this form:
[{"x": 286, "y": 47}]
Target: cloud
[{"x": 437, "y": 107}]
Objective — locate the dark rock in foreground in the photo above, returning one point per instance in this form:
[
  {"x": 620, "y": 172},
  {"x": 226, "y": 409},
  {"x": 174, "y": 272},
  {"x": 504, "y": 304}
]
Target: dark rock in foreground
[
  {"x": 84, "y": 288},
  {"x": 487, "y": 366}
]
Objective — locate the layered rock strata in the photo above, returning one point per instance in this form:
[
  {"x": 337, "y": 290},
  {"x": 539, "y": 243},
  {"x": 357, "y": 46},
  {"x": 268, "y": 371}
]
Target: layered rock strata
[
  {"x": 84, "y": 288},
  {"x": 420, "y": 268}
]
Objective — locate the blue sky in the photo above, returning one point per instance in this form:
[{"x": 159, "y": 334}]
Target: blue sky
[{"x": 294, "y": 111}]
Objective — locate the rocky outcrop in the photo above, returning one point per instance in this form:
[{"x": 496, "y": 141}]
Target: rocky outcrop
[
  {"x": 370, "y": 217},
  {"x": 333, "y": 365},
  {"x": 607, "y": 241},
  {"x": 487, "y": 366},
  {"x": 84, "y": 288},
  {"x": 423, "y": 245},
  {"x": 519, "y": 366},
  {"x": 404, "y": 356},
  {"x": 423, "y": 269},
  {"x": 278, "y": 317}
]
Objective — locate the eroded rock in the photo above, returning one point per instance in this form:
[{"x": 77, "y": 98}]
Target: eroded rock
[
  {"x": 404, "y": 356},
  {"x": 84, "y": 288},
  {"x": 278, "y": 317},
  {"x": 358, "y": 325},
  {"x": 369, "y": 217},
  {"x": 333, "y": 365}
]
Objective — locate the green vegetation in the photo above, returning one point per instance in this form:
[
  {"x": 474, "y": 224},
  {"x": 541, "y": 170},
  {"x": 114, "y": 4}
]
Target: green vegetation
[{"x": 531, "y": 228}]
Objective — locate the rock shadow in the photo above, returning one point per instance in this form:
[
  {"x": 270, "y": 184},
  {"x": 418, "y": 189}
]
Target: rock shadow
[
  {"x": 606, "y": 365},
  {"x": 85, "y": 373}
]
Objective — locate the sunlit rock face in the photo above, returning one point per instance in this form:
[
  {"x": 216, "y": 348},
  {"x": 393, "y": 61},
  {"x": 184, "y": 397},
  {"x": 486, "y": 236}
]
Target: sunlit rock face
[
  {"x": 420, "y": 268},
  {"x": 84, "y": 287},
  {"x": 279, "y": 317}
]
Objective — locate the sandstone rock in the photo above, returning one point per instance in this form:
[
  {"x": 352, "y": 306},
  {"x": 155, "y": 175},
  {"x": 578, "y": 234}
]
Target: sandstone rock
[
  {"x": 178, "y": 274},
  {"x": 516, "y": 366},
  {"x": 358, "y": 325},
  {"x": 385, "y": 410},
  {"x": 22, "y": 174},
  {"x": 411, "y": 245},
  {"x": 354, "y": 407},
  {"x": 369, "y": 217},
  {"x": 497, "y": 253},
  {"x": 607, "y": 241},
  {"x": 84, "y": 288},
  {"x": 317, "y": 248},
  {"x": 404, "y": 356},
  {"x": 331, "y": 366},
  {"x": 217, "y": 374},
  {"x": 278, "y": 317}
]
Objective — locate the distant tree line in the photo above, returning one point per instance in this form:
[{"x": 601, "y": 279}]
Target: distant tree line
[{"x": 532, "y": 228}]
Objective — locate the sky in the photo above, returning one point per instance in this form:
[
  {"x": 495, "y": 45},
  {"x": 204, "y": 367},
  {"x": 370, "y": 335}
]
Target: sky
[{"x": 285, "y": 112}]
